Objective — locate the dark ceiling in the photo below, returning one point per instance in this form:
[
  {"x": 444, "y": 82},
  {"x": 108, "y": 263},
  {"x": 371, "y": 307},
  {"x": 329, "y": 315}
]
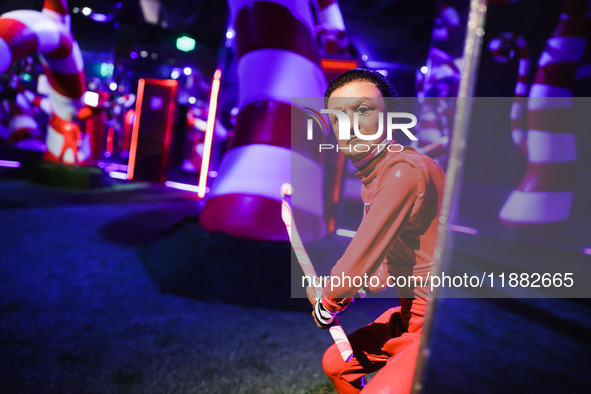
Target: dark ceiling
[
  {"x": 386, "y": 31},
  {"x": 395, "y": 32}
]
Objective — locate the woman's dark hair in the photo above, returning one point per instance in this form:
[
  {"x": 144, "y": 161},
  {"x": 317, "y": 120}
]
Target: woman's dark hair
[{"x": 363, "y": 74}]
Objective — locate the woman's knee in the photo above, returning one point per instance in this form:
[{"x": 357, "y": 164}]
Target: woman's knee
[{"x": 332, "y": 362}]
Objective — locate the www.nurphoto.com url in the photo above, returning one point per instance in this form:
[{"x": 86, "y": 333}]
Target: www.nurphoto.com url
[{"x": 442, "y": 280}]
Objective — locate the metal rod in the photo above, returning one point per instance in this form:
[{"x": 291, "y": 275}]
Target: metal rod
[{"x": 471, "y": 59}]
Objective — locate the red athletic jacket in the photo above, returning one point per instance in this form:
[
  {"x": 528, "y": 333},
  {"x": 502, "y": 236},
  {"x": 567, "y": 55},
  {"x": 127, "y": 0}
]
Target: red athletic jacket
[{"x": 402, "y": 192}]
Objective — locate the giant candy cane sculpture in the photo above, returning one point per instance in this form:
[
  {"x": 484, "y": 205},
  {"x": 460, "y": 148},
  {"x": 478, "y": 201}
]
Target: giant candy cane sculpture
[
  {"x": 546, "y": 192},
  {"x": 331, "y": 28},
  {"x": 336, "y": 330},
  {"x": 440, "y": 81},
  {"x": 502, "y": 49},
  {"x": 27, "y": 32}
]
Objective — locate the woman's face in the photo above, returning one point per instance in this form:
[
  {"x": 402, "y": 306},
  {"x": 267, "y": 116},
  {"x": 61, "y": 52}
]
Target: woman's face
[{"x": 364, "y": 98}]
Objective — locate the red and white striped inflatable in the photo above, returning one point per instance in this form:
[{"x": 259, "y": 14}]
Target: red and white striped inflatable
[
  {"x": 331, "y": 28},
  {"x": 23, "y": 125},
  {"x": 447, "y": 22},
  {"x": 503, "y": 48},
  {"x": 23, "y": 130},
  {"x": 46, "y": 33},
  {"x": 439, "y": 79},
  {"x": 57, "y": 10},
  {"x": 36, "y": 100},
  {"x": 442, "y": 78},
  {"x": 277, "y": 60},
  {"x": 546, "y": 192}
]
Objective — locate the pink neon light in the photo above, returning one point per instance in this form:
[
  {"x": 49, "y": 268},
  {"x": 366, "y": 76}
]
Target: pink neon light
[
  {"x": 587, "y": 251},
  {"x": 170, "y": 83},
  {"x": 10, "y": 163},
  {"x": 136, "y": 128},
  {"x": 213, "y": 103}
]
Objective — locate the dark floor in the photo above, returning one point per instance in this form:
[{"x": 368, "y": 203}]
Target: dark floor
[{"x": 80, "y": 313}]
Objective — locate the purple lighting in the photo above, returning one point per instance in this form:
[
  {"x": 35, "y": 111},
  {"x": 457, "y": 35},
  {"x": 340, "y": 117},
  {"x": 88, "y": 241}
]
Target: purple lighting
[
  {"x": 184, "y": 186},
  {"x": 10, "y": 164},
  {"x": 133, "y": 55},
  {"x": 118, "y": 175},
  {"x": 110, "y": 167},
  {"x": 101, "y": 18},
  {"x": 463, "y": 229},
  {"x": 587, "y": 251}
]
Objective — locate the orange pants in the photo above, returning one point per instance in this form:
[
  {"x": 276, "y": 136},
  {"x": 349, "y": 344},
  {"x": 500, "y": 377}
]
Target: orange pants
[{"x": 384, "y": 344}]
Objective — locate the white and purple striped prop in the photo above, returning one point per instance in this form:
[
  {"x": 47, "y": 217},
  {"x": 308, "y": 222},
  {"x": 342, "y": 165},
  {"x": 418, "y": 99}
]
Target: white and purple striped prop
[
  {"x": 336, "y": 330},
  {"x": 546, "y": 192},
  {"x": 503, "y": 48}
]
